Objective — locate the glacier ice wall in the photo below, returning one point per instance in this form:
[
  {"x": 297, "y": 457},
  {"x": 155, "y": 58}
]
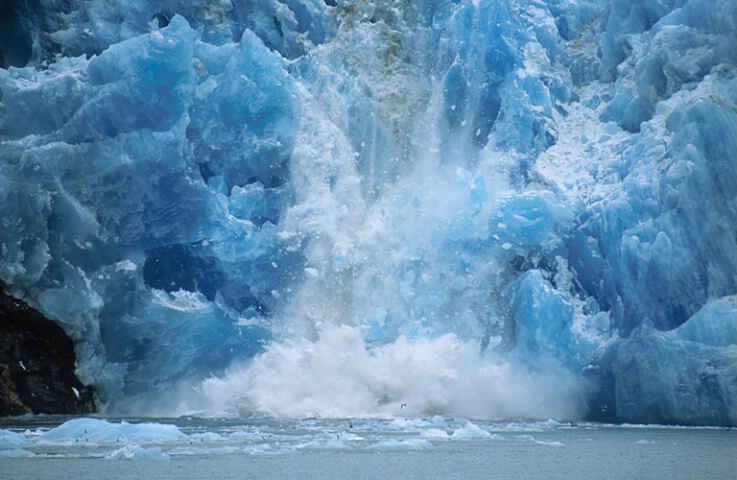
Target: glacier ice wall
[{"x": 296, "y": 207}]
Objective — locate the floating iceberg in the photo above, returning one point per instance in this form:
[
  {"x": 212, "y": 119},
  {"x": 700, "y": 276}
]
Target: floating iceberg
[
  {"x": 102, "y": 431},
  {"x": 12, "y": 440}
]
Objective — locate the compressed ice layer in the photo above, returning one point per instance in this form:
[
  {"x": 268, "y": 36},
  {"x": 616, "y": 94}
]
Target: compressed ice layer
[
  {"x": 648, "y": 375},
  {"x": 115, "y": 174},
  {"x": 660, "y": 250},
  {"x": 35, "y": 35},
  {"x": 676, "y": 48},
  {"x": 528, "y": 218},
  {"x": 488, "y": 94}
]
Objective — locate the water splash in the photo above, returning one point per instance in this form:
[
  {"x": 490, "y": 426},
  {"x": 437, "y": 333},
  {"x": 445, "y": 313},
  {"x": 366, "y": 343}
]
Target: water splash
[{"x": 339, "y": 376}]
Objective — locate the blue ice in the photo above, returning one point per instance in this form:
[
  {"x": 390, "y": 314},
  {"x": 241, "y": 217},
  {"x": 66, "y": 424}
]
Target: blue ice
[{"x": 182, "y": 186}]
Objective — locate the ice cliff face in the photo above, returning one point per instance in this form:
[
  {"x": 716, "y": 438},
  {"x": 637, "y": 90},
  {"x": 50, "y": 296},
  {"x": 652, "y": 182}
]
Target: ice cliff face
[{"x": 547, "y": 184}]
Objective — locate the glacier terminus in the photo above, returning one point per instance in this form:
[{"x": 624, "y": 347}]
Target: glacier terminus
[{"x": 493, "y": 209}]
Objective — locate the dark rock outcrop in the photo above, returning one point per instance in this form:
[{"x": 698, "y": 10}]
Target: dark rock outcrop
[{"x": 37, "y": 365}]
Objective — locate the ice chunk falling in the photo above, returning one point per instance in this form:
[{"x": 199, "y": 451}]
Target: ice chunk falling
[{"x": 295, "y": 207}]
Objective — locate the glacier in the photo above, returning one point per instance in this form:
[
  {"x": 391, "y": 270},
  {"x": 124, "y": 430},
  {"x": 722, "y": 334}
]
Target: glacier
[{"x": 485, "y": 208}]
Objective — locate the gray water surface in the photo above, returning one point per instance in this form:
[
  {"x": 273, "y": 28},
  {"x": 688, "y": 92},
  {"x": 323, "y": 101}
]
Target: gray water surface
[{"x": 376, "y": 449}]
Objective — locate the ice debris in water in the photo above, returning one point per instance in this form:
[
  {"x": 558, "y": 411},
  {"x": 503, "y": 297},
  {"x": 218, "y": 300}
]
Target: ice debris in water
[
  {"x": 103, "y": 431},
  {"x": 136, "y": 452},
  {"x": 12, "y": 440}
]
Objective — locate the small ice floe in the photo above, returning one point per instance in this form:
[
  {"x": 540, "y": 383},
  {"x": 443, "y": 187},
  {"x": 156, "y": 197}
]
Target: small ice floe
[
  {"x": 16, "y": 453},
  {"x": 13, "y": 440},
  {"x": 407, "y": 424},
  {"x": 470, "y": 431},
  {"x": 407, "y": 444},
  {"x": 334, "y": 443},
  {"x": 268, "y": 450},
  {"x": 550, "y": 443},
  {"x": 532, "y": 439},
  {"x": 435, "y": 434},
  {"x": 137, "y": 452},
  {"x": 208, "y": 437}
]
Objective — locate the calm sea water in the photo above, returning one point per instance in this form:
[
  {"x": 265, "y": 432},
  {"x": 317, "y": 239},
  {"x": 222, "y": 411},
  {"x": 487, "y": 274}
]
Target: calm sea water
[{"x": 191, "y": 448}]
